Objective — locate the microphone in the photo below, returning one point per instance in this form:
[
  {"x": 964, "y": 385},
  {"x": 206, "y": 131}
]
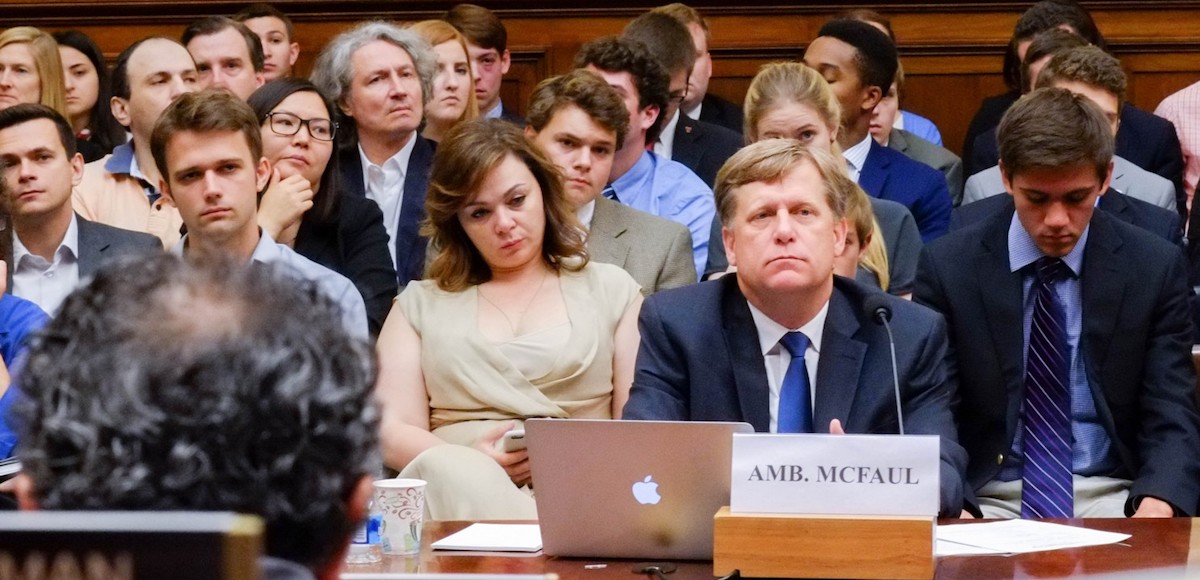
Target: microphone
[{"x": 876, "y": 307}]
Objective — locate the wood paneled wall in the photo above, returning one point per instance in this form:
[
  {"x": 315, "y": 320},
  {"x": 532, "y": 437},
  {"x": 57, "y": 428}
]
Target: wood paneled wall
[{"x": 952, "y": 52}]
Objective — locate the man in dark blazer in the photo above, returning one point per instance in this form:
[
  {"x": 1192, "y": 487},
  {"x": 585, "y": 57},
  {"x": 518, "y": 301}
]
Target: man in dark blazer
[
  {"x": 702, "y": 146},
  {"x": 718, "y": 350},
  {"x": 385, "y": 159},
  {"x": 718, "y": 111},
  {"x": 53, "y": 249},
  {"x": 1099, "y": 404}
]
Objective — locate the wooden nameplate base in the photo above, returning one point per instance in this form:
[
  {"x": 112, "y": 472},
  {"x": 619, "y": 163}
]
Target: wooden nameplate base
[{"x": 823, "y": 546}]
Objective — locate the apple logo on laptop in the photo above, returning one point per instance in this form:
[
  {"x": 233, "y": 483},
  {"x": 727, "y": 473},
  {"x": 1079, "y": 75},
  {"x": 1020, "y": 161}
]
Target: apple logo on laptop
[{"x": 646, "y": 491}]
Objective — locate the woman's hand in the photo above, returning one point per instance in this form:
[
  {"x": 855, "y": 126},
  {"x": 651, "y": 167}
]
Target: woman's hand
[
  {"x": 516, "y": 464},
  {"x": 284, "y": 203}
]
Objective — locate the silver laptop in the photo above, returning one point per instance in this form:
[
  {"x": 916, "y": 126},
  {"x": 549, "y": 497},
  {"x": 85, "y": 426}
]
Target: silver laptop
[{"x": 629, "y": 489}]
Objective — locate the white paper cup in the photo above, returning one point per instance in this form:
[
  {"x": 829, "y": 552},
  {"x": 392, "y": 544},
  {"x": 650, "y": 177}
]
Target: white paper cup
[{"x": 401, "y": 502}]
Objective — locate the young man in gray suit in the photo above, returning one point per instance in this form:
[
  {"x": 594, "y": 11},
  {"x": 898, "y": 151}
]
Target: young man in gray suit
[
  {"x": 53, "y": 249},
  {"x": 579, "y": 121}
]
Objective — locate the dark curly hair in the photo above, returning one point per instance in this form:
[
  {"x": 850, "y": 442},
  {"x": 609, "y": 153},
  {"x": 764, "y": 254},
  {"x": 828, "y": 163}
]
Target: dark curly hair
[
  {"x": 652, "y": 81},
  {"x": 164, "y": 385}
]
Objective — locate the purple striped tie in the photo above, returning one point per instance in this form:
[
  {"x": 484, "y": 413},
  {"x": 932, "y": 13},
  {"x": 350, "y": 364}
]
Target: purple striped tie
[{"x": 1047, "y": 490}]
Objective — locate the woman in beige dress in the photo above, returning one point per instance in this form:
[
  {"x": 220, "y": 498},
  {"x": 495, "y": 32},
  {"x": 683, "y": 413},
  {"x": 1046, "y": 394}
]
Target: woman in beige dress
[{"x": 511, "y": 322}]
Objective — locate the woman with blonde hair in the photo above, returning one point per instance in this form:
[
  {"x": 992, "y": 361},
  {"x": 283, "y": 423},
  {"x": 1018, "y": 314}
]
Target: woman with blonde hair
[
  {"x": 511, "y": 322},
  {"x": 790, "y": 100},
  {"x": 31, "y": 70},
  {"x": 453, "y": 100}
]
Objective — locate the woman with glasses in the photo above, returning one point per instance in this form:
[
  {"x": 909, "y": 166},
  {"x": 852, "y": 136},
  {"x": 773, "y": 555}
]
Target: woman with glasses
[{"x": 302, "y": 206}]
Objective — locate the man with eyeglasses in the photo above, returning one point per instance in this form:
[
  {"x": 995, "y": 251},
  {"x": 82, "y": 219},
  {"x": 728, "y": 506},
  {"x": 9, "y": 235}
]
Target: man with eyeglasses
[
  {"x": 642, "y": 179},
  {"x": 487, "y": 43},
  {"x": 702, "y": 147}
]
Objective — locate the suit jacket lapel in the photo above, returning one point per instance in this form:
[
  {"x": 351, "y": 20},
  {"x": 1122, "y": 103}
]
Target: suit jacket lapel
[
  {"x": 840, "y": 366},
  {"x": 91, "y": 247},
  {"x": 1003, "y": 296},
  {"x": 1116, "y": 205},
  {"x": 874, "y": 170},
  {"x": 410, "y": 247},
  {"x": 741, "y": 341},
  {"x": 604, "y": 241},
  {"x": 1103, "y": 289},
  {"x": 897, "y": 142},
  {"x": 686, "y": 148}
]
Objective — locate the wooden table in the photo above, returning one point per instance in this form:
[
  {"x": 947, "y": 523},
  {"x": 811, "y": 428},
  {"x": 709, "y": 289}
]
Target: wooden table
[{"x": 1158, "y": 549}]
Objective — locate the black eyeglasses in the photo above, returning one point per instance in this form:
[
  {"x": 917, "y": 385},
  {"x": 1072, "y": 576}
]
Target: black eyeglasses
[{"x": 287, "y": 124}]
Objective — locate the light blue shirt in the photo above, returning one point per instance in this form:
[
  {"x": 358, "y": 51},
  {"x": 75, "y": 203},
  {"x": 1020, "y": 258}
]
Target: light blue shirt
[
  {"x": 333, "y": 285},
  {"x": 1092, "y": 451},
  {"x": 670, "y": 190},
  {"x": 124, "y": 162}
]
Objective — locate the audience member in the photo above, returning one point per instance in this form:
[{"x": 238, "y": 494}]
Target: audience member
[
  {"x": 381, "y": 77},
  {"x": 88, "y": 92},
  {"x": 487, "y": 43},
  {"x": 792, "y": 101},
  {"x": 53, "y": 249},
  {"x": 640, "y": 178},
  {"x": 864, "y": 256},
  {"x": 276, "y": 36},
  {"x": 747, "y": 347},
  {"x": 121, "y": 190},
  {"x": 859, "y": 62},
  {"x": 883, "y": 129},
  {"x": 452, "y": 100},
  {"x": 31, "y": 70},
  {"x": 698, "y": 145},
  {"x": 1055, "y": 407},
  {"x": 227, "y": 54},
  {"x": 578, "y": 121},
  {"x": 699, "y": 104},
  {"x": 208, "y": 149},
  {"x": 1097, "y": 75},
  {"x": 513, "y": 322},
  {"x": 303, "y": 206},
  {"x": 167, "y": 385}
]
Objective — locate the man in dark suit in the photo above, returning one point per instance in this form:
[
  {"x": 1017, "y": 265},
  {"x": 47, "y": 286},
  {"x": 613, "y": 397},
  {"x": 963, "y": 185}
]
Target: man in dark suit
[
  {"x": 699, "y": 104},
  {"x": 728, "y": 350},
  {"x": 386, "y": 160},
  {"x": 1072, "y": 334},
  {"x": 859, "y": 61},
  {"x": 53, "y": 249}
]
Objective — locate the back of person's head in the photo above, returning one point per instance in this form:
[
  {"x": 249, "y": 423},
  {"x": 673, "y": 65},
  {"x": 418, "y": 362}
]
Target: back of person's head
[
  {"x": 667, "y": 38},
  {"x": 106, "y": 132},
  {"x": 685, "y": 15},
  {"x": 467, "y": 156},
  {"x": 207, "y": 111},
  {"x": 1043, "y": 16},
  {"x": 210, "y": 25},
  {"x": 870, "y": 17},
  {"x": 1088, "y": 65},
  {"x": 875, "y": 53},
  {"x": 481, "y": 26},
  {"x": 767, "y": 161},
  {"x": 263, "y": 10},
  {"x": 580, "y": 88},
  {"x": 779, "y": 83},
  {"x": 163, "y": 385},
  {"x": 26, "y": 112},
  {"x": 44, "y": 51},
  {"x": 615, "y": 54},
  {"x": 1046, "y": 44},
  {"x": 1054, "y": 128}
]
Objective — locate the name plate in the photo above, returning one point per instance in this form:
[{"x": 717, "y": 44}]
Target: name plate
[{"x": 835, "y": 474}]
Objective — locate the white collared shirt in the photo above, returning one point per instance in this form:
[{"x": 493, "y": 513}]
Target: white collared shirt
[
  {"x": 856, "y": 156},
  {"x": 384, "y": 184},
  {"x": 586, "y": 213},
  {"x": 666, "y": 140},
  {"x": 776, "y": 358},
  {"x": 694, "y": 112},
  {"x": 43, "y": 282}
]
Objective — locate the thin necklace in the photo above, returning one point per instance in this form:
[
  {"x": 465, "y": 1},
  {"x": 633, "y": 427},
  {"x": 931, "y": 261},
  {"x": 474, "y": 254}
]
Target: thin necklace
[{"x": 520, "y": 315}]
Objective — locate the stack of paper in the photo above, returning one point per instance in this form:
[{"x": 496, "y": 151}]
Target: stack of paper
[
  {"x": 1017, "y": 537},
  {"x": 494, "y": 538}
]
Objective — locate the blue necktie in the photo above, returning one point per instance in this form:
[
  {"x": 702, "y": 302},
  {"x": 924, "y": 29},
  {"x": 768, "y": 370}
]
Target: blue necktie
[
  {"x": 795, "y": 400},
  {"x": 1047, "y": 489},
  {"x": 610, "y": 193}
]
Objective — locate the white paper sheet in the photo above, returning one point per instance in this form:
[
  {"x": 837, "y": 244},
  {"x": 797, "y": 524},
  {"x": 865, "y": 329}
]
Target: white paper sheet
[
  {"x": 1018, "y": 537},
  {"x": 494, "y": 538}
]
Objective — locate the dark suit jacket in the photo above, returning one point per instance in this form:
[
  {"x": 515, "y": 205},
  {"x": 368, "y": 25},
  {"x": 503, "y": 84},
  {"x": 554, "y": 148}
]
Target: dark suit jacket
[
  {"x": 100, "y": 244},
  {"x": 933, "y": 155},
  {"x": 703, "y": 147},
  {"x": 1156, "y": 220},
  {"x": 1136, "y": 342},
  {"x": 719, "y": 111},
  {"x": 355, "y": 245},
  {"x": 410, "y": 247},
  {"x": 890, "y": 175},
  {"x": 1144, "y": 139},
  {"x": 987, "y": 117},
  {"x": 511, "y": 116},
  {"x": 700, "y": 361}
]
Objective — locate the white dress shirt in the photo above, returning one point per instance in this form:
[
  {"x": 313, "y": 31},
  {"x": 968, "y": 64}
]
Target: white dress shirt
[
  {"x": 694, "y": 112},
  {"x": 856, "y": 156},
  {"x": 776, "y": 358},
  {"x": 43, "y": 282},
  {"x": 666, "y": 140},
  {"x": 384, "y": 184},
  {"x": 586, "y": 213}
]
